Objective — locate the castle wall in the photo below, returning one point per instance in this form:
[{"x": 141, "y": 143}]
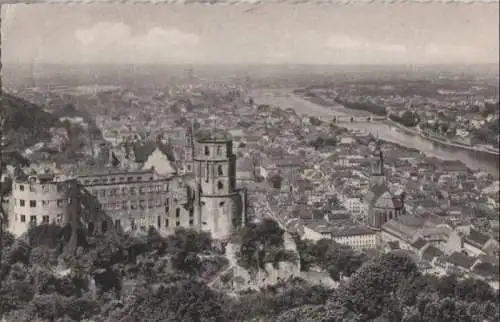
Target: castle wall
[
  {"x": 41, "y": 202},
  {"x": 128, "y": 201}
]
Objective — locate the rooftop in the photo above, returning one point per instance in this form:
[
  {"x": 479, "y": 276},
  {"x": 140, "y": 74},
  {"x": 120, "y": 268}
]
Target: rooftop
[{"x": 214, "y": 135}]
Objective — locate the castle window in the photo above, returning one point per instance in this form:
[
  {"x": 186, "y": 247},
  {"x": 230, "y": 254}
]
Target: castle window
[
  {"x": 102, "y": 193},
  {"x": 222, "y": 204},
  {"x": 125, "y": 204},
  {"x": 206, "y": 174},
  {"x": 59, "y": 218},
  {"x": 219, "y": 150},
  {"x": 33, "y": 219},
  {"x": 32, "y": 203},
  {"x": 205, "y": 223},
  {"x": 207, "y": 151},
  {"x": 129, "y": 179},
  {"x": 122, "y": 178},
  {"x": 220, "y": 185},
  {"x": 191, "y": 222},
  {"x": 177, "y": 212},
  {"x": 23, "y": 218},
  {"x": 177, "y": 223},
  {"x": 139, "y": 178},
  {"x": 219, "y": 170},
  {"x": 113, "y": 180},
  {"x": 133, "y": 225},
  {"x": 45, "y": 219},
  {"x": 90, "y": 228},
  {"x": 22, "y": 203},
  {"x": 158, "y": 221},
  {"x": 117, "y": 224},
  {"x": 166, "y": 222},
  {"x": 124, "y": 191},
  {"x": 21, "y": 187},
  {"x": 60, "y": 203}
]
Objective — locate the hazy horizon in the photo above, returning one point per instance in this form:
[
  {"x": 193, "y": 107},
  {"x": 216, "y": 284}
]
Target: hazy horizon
[{"x": 356, "y": 34}]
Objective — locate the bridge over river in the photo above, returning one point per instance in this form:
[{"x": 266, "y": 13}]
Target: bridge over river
[
  {"x": 285, "y": 99},
  {"x": 341, "y": 119}
]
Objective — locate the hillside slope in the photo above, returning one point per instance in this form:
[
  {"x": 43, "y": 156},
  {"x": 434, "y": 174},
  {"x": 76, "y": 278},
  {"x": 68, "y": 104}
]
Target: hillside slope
[{"x": 25, "y": 123}]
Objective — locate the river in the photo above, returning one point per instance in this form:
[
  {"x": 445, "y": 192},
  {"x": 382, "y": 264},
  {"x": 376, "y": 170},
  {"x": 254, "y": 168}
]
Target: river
[{"x": 473, "y": 159}]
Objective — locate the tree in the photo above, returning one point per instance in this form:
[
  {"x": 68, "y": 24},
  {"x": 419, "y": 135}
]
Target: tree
[
  {"x": 261, "y": 243},
  {"x": 184, "y": 247},
  {"x": 187, "y": 300},
  {"x": 372, "y": 288}
]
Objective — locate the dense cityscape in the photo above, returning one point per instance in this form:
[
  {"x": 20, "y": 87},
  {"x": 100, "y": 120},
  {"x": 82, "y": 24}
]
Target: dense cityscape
[{"x": 278, "y": 192}]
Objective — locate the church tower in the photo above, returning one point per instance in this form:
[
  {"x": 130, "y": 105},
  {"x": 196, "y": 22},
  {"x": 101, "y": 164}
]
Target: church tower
[
  {"x": 377, "y": 177},
  {"x": 188, "y": 150},
  {"x": 220, "y": 204}
]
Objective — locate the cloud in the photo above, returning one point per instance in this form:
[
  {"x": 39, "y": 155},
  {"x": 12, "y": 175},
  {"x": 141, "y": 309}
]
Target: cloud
[
  {"x": 393, "y": 48},
  {"x": 344, "y": 42},
  {"x": 116, "y": 41}
]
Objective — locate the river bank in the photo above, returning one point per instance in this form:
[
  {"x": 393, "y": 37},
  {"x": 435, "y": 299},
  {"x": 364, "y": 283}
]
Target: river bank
[
  {"x": 476, "y": 160},
  {"x": 439, "y": 141}
]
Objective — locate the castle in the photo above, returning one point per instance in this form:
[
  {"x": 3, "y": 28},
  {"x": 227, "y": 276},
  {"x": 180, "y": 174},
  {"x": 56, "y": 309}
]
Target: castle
[{"x": 204, "y": 197}]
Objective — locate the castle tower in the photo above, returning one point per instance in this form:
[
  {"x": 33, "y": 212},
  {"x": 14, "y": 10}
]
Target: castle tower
[
  {"x": 220, "y": 204},
  {"x": 377, "y": 167}
]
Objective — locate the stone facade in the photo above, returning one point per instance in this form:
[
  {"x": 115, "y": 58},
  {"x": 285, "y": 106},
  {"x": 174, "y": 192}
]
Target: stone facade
[{"x": 41, "y": 198}]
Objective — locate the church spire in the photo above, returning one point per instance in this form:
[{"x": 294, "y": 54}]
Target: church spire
[{"x": 377, "y": 169}]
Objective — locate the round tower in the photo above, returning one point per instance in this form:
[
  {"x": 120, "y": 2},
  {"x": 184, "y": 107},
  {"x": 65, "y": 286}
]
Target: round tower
[{"x": 215, "y": 173}]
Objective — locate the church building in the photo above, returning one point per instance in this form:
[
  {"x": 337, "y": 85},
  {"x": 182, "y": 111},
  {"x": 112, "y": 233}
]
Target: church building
[{"x": 380, "y": 204}]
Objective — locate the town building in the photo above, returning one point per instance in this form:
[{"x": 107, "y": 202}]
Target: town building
[{"x": 380, "y": 204}]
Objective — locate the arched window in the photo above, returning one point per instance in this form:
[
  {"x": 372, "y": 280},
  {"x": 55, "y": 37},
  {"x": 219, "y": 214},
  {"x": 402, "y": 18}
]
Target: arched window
[
  {"x": 220, "y": 185},
  {"x": 219, "y": 170},
  {"x": 104, "y": 226},
  {"x": 207, "y": 151}
]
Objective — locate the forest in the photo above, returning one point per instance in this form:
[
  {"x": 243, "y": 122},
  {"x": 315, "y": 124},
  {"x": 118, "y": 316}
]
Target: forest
[{"x": 158, "y": 278}]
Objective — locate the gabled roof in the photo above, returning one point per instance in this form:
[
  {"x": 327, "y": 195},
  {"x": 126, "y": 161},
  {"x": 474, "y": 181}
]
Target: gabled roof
[
  {"x": 461, "y": 260},
  {"x": 486, "y": 270},
  {"x": 419, "y": 243},
  {"x": 477, "y": 238},
  {"x": 143, "y": 151},
  {"x": 375, "y": 193}
]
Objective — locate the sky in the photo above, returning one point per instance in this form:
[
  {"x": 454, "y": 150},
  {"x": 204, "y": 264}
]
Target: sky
[{"x": 376, "y": 33}]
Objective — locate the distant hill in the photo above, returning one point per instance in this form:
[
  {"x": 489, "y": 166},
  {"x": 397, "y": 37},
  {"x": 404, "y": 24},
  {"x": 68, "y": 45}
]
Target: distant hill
[{"x": 25, "y": 123}]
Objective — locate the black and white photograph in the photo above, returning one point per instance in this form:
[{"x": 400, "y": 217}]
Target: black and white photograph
[{"x": 265, "y": 162}]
